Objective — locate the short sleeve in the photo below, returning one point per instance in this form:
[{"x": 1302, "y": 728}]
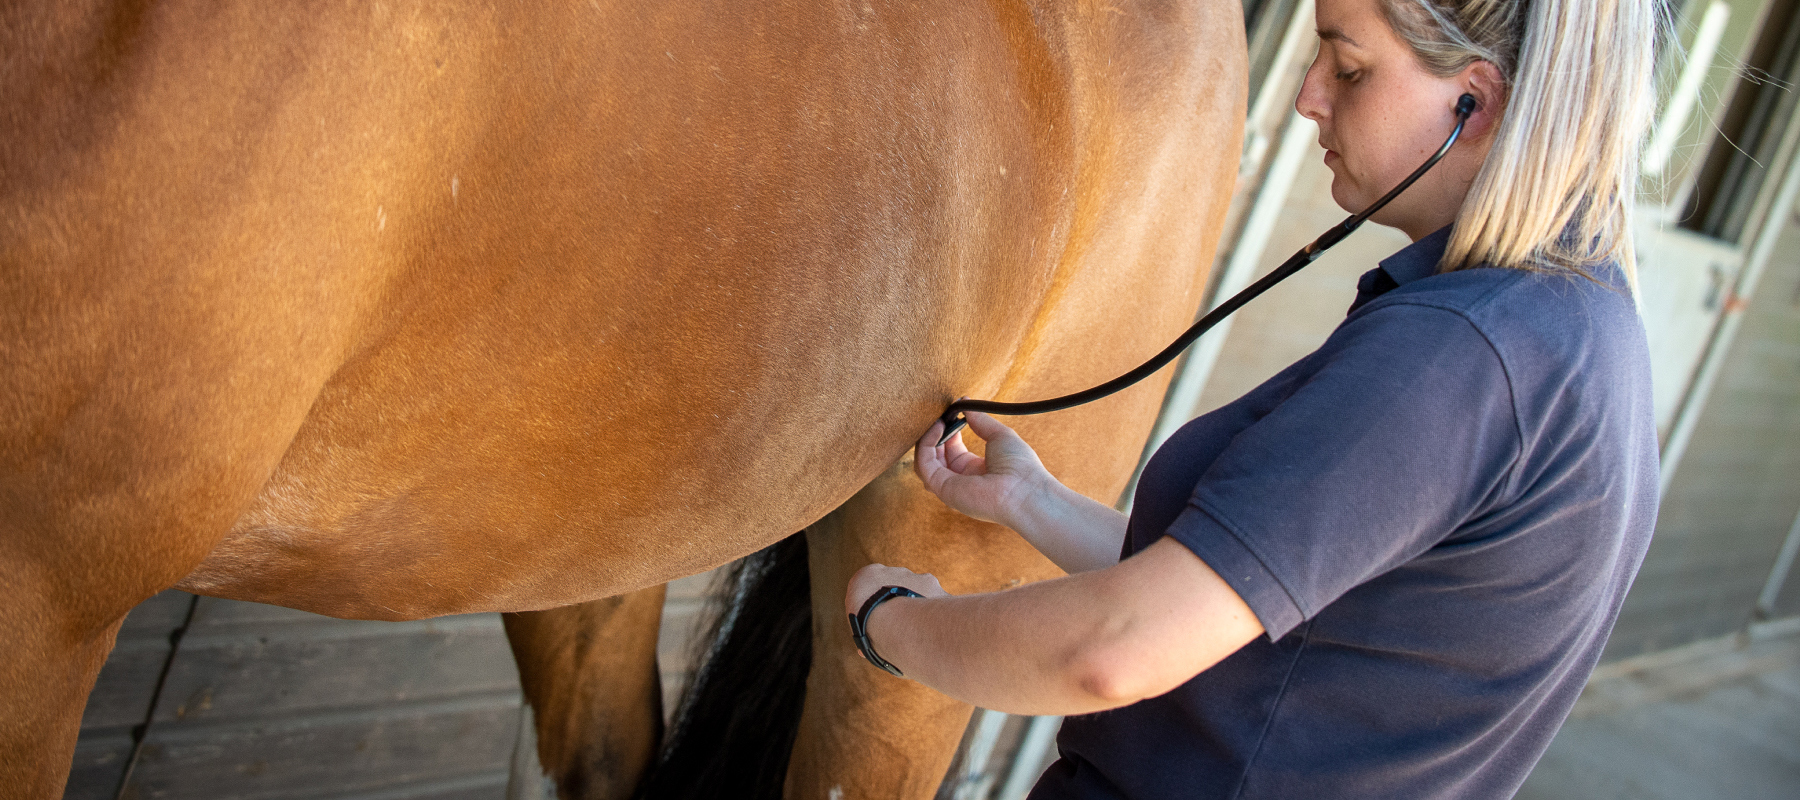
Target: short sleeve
[{"x": 1405, "y": 431}]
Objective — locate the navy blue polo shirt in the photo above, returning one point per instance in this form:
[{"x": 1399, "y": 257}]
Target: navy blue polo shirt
[{"x": 1435, "y": 516}]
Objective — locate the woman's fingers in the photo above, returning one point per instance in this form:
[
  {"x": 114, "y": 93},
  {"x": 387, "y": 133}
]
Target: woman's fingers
[
  {"x": 929, "y": 440},
  {"x": 935, "y": 470},
  {"x": 967, "y": 463},
  {"x": 928, "y": 462},
  {"x": 988, "y": 428},
  {"x": 1002, "y": 442},
  {"x": 960, "y": 460},
  {"x": 952, "y": 455},
  {"x": 955, "y": 448},
  {"x": 1006, "y": 451},
  {"x": 926, "y": 453}
]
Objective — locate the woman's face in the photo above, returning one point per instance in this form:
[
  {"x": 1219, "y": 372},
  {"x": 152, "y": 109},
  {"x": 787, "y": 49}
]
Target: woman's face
[{"x": 1380, "y": 115}]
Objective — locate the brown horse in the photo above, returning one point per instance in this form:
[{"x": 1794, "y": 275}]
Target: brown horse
[{"x": 405, "y": 309}]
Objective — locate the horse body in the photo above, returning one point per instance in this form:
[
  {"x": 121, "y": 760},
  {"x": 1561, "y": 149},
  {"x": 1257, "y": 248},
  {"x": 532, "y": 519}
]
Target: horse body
[{"x": 405, "y": 310}]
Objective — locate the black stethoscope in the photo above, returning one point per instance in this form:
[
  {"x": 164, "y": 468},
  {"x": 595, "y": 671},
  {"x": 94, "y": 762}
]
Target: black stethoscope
[{"x": 954, "y": 420}]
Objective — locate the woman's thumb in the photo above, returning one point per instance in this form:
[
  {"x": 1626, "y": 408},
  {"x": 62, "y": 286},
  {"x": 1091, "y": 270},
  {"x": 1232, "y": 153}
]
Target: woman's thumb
[{"x": 986, "y": 426}]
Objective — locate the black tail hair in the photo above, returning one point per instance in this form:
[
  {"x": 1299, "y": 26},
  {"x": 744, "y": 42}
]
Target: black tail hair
[{"x": 737, "y": 723}]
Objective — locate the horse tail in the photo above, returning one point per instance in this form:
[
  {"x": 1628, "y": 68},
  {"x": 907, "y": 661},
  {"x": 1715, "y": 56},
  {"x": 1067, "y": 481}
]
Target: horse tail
[{"x": 736, "y": 725}]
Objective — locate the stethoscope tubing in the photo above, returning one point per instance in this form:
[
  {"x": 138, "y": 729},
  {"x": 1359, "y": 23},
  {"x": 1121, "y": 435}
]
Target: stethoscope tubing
[{"x": 954, "y": 420}]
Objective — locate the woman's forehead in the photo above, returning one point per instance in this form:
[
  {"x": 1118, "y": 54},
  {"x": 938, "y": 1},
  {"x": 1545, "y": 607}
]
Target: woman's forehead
[
  {"x": 1337, "y": 36},
  {"x": 1353, "y": 24}
]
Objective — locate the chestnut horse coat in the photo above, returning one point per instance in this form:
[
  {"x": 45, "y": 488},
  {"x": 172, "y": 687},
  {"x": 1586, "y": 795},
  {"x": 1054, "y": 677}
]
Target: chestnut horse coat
[{"x": 400, "y": 309}]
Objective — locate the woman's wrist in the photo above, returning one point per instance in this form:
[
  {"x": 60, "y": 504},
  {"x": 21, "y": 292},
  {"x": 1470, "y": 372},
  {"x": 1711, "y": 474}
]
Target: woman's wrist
[
  {"x": 859, "y": 625},
  {"x": 1070, "y": 529},
  {"x": 865, "y": 606},
  {"x": 1036, "y": 503}
]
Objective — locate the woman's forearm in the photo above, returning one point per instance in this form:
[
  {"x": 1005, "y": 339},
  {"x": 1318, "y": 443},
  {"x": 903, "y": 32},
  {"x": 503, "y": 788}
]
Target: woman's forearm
[
  {"x": 1069, "y": 528},
  {"x": 1017, "y": 651},
  {"x": 1096, "y": 640}
]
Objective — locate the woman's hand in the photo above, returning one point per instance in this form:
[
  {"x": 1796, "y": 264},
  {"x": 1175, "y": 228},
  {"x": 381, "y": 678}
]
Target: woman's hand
[
  {"x": 994, "y": 488},
  {"x": 874, "y": 576}
]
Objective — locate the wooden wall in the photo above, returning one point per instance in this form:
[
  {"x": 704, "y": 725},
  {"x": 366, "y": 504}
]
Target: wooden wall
[{"x": 1736, "y": 492}]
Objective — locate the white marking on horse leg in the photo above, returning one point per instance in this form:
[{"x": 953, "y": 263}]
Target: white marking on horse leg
[
  {"x": 528, "y": 780},
  {"x": 837, "y": 792}
]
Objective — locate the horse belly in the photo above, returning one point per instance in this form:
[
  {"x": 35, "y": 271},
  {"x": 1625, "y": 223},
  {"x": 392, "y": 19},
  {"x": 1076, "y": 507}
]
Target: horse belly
[{"x": 681, "y": 298}]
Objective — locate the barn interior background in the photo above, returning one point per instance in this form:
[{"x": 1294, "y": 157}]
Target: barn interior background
[{"x": 262, "y": 702}]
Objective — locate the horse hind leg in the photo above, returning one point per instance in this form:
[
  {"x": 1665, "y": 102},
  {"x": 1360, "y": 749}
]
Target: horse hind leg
[
  {"x": 766, "y": 719},
  {"x": 864, "y": 733},
  {"x": 593, "y": 697}
]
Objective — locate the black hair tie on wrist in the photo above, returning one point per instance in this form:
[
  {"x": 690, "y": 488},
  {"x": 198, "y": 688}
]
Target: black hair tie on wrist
[{"x": 859, "y": 625}]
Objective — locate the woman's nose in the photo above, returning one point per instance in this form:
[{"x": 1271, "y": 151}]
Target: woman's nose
[{"x": 1311, "y": 101}]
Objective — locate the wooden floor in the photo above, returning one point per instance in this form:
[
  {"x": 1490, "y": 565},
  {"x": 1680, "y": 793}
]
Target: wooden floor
[{"x": 268, "y": 703}]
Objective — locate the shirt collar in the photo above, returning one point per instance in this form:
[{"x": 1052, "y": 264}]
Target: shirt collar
[
  {"x": 1419, "y": 259},
  {"x": 1415, "y": 261}
]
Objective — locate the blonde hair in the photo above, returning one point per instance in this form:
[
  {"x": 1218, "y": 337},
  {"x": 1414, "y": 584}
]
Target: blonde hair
[{"x": 1560, "y": 179}]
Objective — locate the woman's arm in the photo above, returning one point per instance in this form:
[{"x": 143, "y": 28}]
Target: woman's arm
[
  {"x": 1010, "y": 486},
  {"x": 1097, "y": 640},
  {"x": 1071, "y": 529},
  {"x": 1110, "y": 634}
]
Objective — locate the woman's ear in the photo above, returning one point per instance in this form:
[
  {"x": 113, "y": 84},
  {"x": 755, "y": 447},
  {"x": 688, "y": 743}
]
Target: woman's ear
[{"x": 1484, "y": 80}]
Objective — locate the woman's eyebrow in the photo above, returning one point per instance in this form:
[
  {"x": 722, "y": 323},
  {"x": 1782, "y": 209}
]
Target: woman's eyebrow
[{"x": 1336, "y": 35}]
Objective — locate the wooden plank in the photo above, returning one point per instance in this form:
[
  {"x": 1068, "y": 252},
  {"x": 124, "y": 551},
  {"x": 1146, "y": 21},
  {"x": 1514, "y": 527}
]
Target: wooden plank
[
  {"x": 1736, "y": 491},
  {"x": 161, "y": 613},
  {"x": 1000, "y": 759},
  {"x": 271, "y": 702},
  {"x": 214, "y": 612},
  {"x": 329, "y": 753},
  {"x": 1787, "y": 604},
  {"x": 490, "y": 786},
  {"x": 235, "y": 672},
  {"x": 121, "y": 695},
  {"x": 98, "y": 765}
]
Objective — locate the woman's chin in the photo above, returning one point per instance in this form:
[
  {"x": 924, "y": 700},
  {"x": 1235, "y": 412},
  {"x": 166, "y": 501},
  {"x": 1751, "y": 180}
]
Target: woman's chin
[{"x": 1345, "y": 197}]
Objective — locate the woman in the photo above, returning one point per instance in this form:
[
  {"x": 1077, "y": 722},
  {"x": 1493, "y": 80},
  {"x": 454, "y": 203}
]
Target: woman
[{"x": 1387, "y": 571}]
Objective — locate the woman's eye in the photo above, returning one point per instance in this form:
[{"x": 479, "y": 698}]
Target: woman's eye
[{"x": 1349, "y": 74}]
